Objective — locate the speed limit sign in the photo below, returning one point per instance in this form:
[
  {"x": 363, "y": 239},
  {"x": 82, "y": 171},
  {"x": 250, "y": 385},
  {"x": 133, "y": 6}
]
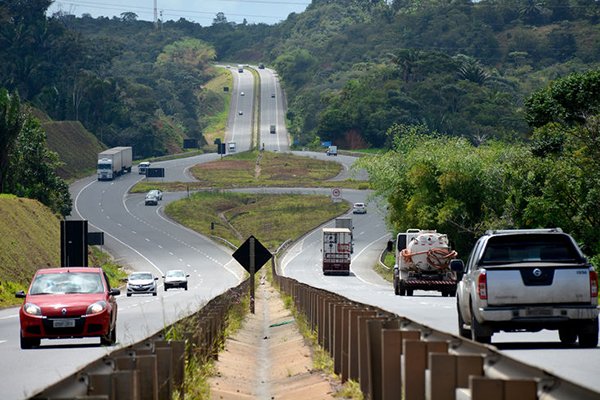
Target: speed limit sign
[{"x": 336, "y": 194}]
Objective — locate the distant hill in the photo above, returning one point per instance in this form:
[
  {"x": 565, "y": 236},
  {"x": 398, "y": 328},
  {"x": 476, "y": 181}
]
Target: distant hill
[
  {"x": 77, "y": 147},
  {"x": 30, "y": 240}
]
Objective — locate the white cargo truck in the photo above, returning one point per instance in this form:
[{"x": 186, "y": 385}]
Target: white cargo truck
[
  {"x": 336, "y": 251},
  {"x": 422, "y": 262},
  {"x": 114, "y": 162}
]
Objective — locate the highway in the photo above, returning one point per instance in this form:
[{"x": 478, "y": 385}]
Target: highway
[{"x": 142, "y": 238}]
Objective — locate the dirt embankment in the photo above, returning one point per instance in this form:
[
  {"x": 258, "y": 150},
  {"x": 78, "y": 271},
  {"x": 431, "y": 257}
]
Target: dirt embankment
[{"x": 268, "y": 358}]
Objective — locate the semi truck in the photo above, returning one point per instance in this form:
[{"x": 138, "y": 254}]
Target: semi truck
[
  {"x": 336, "y": 251},
  {"x": 114, "y": 162},
  {"x": 422, "y": 263}
]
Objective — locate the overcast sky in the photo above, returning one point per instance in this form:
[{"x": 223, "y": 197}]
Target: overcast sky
[{"x": 202, "y": 12}]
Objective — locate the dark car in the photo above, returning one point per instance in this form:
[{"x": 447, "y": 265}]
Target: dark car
[
  {"x": 175, "y": 278},
  {"x": 64, "y": 303}
]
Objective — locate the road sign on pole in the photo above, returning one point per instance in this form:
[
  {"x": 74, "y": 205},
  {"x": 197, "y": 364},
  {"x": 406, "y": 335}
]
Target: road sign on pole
[
  {"x": 252, "y": 255},
  {"x": 336, "y": 194}
]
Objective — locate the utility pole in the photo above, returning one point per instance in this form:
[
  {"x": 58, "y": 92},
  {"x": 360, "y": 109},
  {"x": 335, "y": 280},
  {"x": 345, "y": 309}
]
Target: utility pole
[{"x": 155, "y": 15}]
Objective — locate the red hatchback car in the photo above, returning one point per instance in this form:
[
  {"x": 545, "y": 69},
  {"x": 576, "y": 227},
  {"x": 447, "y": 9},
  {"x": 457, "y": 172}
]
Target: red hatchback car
[{"x": 71, "y": 302}]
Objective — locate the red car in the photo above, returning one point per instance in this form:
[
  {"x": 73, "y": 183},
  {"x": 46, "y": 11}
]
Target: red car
[{"x": 71, "y": 302}]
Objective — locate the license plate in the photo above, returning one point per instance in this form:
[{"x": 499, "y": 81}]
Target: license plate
[
  {"x": 539, "y": 312},
  {"x": 63, "y": 323}
]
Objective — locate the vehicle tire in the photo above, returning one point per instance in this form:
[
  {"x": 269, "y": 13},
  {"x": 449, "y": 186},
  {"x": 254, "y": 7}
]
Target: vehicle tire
[
  {"x": 154, "y": 293},
  {"x": 128, "y": 294},
  {"x": 185, "y": 287},
  {"x": 462, "y": 331},
  {"x": 401, "y": 288},
  {"x": 29, "y": 343},
  {"x": 567, "y": 336},
  {"x": 409, "y": 292},
  {"x": 110, "y": 339},
  {"x": 445, "y": 293},
  {"x": 478, "y": 332},
  {"x": 452, "y": 292},
  {"x": 588, "y": 334},
  {"x": 396, "y": 289},
  {"x": 166, "y": 288}
]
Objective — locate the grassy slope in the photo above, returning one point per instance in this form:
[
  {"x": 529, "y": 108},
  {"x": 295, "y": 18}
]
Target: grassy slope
[
  {"x": 66, "y": 136},
  {"x": 30, "y": 239}
]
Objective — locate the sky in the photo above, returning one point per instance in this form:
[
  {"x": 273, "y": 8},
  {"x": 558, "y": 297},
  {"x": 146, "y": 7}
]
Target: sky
[{"x": 254, "y": 11}]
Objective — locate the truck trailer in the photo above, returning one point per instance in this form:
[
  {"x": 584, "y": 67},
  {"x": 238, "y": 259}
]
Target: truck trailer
[
  {"x": 114, "y": 162},
  {"x": 336, "y": 251}
]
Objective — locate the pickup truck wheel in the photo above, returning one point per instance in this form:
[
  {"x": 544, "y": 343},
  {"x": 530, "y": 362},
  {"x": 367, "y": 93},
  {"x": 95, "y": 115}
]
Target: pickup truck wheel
[
  {"x": 462, "y": 331},
  {"x": 478, "y": 332},
  {"x": 588, "y": 334},
  {"x": 567, "y": 335}
]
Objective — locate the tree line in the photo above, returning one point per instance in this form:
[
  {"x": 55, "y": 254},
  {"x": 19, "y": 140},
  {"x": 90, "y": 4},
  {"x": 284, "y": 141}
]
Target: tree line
[{"x": 462, "y": 189}]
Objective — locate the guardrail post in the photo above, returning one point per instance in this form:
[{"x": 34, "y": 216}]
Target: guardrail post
[
  {"x": 364, "y": 355},
  {"x": 391, "y": 361},
  {"x": 353, "y": 342},
  {"x": 164, "y": 363},
  {"x": 449, "y": 374},
  {"x": 483, "y": 388},
  {"x": 147, "y": 373},
  {"x": 338, "y": 333},
  {"x": 415, "y": 364},
  {"x": 126, "y": 385}
]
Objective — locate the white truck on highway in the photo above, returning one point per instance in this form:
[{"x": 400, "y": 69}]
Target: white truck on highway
[
  {"x": 114, "y": 162},
  {"x": 527, "y": 280},
  {"x": 422, "y": 262},
  {"x": 336, "y": 251}
]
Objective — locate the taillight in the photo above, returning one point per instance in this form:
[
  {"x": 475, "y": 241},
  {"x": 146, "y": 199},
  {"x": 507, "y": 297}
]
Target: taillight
[
  {"x": 593, "y": 284},
  {"x": 482, "y": 285}
]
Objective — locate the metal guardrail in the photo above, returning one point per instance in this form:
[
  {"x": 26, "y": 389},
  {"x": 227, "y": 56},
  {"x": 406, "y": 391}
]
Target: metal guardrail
[
  {"x": 393, "y": 357},
  {"x": 153, "y": 368}
]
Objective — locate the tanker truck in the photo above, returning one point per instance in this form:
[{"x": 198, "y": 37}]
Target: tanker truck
[{"x": 422, "y": 263}]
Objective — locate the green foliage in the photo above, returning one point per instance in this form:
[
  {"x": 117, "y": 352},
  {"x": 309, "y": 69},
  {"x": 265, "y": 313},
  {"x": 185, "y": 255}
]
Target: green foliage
[{"x": 11, "y": 120}]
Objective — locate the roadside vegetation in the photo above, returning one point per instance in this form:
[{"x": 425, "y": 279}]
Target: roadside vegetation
[{"x": 272, "y": 219}]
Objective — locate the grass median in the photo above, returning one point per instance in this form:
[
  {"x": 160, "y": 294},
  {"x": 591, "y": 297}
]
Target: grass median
[{"x": 272, "y": 219}]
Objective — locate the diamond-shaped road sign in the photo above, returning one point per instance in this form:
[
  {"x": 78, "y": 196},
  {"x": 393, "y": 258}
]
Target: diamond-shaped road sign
[{"x": 261, "y": 254}]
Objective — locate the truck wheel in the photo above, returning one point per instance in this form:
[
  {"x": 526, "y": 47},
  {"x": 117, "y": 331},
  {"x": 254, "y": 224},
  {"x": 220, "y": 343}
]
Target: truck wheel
[
  {"x": 402, "y": 288},
  {"x": 478, "y": 332},
  {"x": 462, "y": 331},
  {"x": 567, "y": 335},
  {"x": 396, "y": 288},
  {"x": 588, "y": 334},
  {"x": 409, "y": 292}
]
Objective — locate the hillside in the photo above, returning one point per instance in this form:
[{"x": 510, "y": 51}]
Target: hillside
[
  {"x": 31, "y": 239},
  {"x": 77, "y": 147}
]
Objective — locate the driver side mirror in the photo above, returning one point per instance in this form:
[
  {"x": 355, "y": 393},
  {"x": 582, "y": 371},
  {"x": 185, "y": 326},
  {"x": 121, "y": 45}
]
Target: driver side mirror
[{"x": 458, "y": 266}]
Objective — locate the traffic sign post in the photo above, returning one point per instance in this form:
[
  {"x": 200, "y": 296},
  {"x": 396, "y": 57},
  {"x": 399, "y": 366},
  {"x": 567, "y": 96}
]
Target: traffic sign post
[
  {"x": 336, "y": 194},
  {"x": 252, "y": 255}
]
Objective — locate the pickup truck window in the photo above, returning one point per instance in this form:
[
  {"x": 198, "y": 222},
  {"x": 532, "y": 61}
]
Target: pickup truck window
[{"x": 530, "y": 248}]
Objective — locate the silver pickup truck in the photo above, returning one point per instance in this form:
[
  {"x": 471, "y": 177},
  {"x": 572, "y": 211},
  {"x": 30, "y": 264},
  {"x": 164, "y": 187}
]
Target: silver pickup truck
[{"x": 527, "y": 280}]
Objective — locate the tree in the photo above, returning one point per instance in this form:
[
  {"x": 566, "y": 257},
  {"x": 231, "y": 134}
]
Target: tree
[
  {"x": 11, "y": 122},
  {"x": 33, "y": 167}
]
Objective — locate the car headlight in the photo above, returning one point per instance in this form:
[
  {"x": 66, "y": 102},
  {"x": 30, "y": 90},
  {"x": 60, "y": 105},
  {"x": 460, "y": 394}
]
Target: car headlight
[
  {"x": 32, "y": 309},
  {"x": 96, "y": 308}
]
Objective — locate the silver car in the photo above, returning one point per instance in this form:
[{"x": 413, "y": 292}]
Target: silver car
[
  {"x": 175, "y": 278},
  {"x": 142, "y": 283}
]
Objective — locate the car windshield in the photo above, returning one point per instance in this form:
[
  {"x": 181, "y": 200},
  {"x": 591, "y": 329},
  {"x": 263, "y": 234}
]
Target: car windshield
[
  {"x": 530, "y": 248},
  {"x": 175, "y": 273},
  {"x": 141, "y": 276},
  {"x": 67, "y": 282}
]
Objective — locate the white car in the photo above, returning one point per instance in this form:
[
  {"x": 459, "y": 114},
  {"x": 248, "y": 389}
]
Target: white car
[
  {"x": 359, "y": 208},
  {"x": 143, "y": 167},
  {"x": 141, "y": 283},
  {"x": 175, "y": 278},
  {"x": 156, "y": 192},
  {"x": 242, "y": 94}
]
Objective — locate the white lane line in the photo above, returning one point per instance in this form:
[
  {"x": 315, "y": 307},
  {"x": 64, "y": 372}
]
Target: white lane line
[{"x": 10, "y": 316}]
